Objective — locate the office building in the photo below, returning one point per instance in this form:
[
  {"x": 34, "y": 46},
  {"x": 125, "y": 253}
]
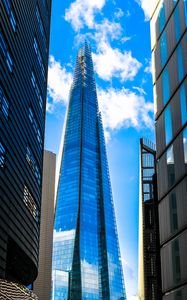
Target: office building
[
  {"x": 24, "y": 41},
  {"x": 149, "y": 277},
  {"x": 86, "y": 256},
  {"x": 42, "y": 285},
  {"x": 169, "y": 48}
]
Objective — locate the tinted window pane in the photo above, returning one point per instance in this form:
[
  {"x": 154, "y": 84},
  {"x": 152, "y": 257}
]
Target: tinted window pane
[
  {"x": 183, "y": 104},
  {"x": 180, "y": 63},
  {"x": 163, "y": 49},
  {"x": 176, "y": 261},
  {"x": 173, "y": 212},
  {"x": 168, "y": 124},
  {"x": 170, "y": 166},
  {"x": 162, "y": 18},
  {"x": 165, "y": 86},
  {"x": 177, "y": 23}
]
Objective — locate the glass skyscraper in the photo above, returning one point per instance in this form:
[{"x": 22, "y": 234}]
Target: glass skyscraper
[{"x": 86, "y": 256}]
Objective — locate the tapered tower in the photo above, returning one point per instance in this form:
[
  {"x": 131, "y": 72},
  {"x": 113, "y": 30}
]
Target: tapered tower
[{"x": 86, "y": 256}]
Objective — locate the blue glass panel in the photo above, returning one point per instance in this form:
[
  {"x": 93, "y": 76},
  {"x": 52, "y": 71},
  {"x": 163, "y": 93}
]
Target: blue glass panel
[
  {"x": 177, "y": 23},
  {"x": 165, "y": 86},
  {"x": 185, "y": 11},
  {"x": 162, "y": 18},
  {"x": 163, "y": 49},
  {"x": 183, "y": 104},
  {"x": 180, "y": 62},
  {"x": 168, "y": 124}
]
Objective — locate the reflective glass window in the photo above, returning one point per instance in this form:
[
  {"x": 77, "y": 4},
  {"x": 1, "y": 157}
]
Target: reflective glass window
[
  {"x": 176, "y": 261},
  {"x": 170, "y": 166},
  {"x": 177, "y": 23},
  {"x": 35, "y": 126},
  {"x": 41, "y": 26},
  {"x": 162, "y": 18},
  {"x": 165, "y": 86},
  {"x": 180, "y": 62},
  {"x": 36, "y": 88},
  {"x": 10, "y": 13},
  {"x": 163, "y": 49},
  {"x": 185, "y": 11},
  {"x": 30, "y": 203},
  {"x": 185, "y": 147},
  {"x": 39, "y": 57},
  {"x": 183, "y": 104},
  {"x": 168, "y": 124},
  {"x": 6, "y": 53},
  {"x": 173, "y": 212},
  {"x": 4, "y": 103},
  {"x": 2, "y": 155},
  {"x": 33, "y": 164}
]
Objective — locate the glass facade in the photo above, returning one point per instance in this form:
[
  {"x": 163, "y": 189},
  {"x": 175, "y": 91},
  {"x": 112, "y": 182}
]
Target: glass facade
[{"x": 86, "y": 257}]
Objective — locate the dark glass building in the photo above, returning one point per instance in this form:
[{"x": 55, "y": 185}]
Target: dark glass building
[
  {"x": 169, "y": 50},
  {"x": 149, "y": 278},
  {"x": 24, "y": 43},
  {"x": 86, "y": 256}
]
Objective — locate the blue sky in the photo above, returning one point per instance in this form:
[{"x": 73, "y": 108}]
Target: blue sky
[{"x": 118, "y": 31}]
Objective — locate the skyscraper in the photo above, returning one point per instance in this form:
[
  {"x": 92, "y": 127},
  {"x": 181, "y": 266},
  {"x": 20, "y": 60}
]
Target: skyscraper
[
  {"x": 149, "y": 279},
  {"x": 169, "y": 48},
  {"x": 86, "y": 256},
  {"x": 24, "y": 41}
]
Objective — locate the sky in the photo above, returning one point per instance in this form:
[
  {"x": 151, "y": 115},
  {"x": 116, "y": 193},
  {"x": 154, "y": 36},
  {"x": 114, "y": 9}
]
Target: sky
[{"x": 119, "y": 34}]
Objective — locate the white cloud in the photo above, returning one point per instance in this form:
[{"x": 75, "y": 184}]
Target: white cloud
[
  {"x": 124, "y": 108},
  {"x": 82, "y": 12},
  {"x": 147, "y": 6},
  {"x": 119, "y": 13},
  {"x": 59, "y": 82},
  {"x": 140, "y": 90},
  {"x": 112, "y": 62},
  {"x": 148, "y": 69}
]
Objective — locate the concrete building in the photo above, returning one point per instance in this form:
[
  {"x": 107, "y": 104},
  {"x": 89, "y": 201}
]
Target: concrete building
[{"x": 42, "y": 285}]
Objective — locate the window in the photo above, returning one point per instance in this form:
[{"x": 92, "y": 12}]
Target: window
[
  {"x": 173, "y": 212},
  {"x": 4, "y": 104},
  {"x": 183, "y": 104},
  {"x": 165, "y": 86},
  {"x": 185, "y": 11},
  {"x": 35, "y": 126},
  {"x": 163, "y": 49},
  {"x": 10, "y": 13},
  {"x": 180, "y": 62},
  {"x": 36, "y": 88},
  {"x": 176, "y": 261},
  {"x": 185, "y": 147},
  {"x": 168, "y": 124},
  {"x": 6, "y": 53},
  {"x": 161, "y": 18},
  {"x": 170, "y": 166},
  {"x": 177, "y": 23},
  {"x": 33, "y": 165},
  {"x": 40, "y": 23},
  {"x": 39, "y": 57},
  {"x": 2, "y": 156},
  {"x": 30, "y": 203}
]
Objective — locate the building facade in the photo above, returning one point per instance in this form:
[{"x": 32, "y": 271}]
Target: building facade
[
  {"x": 169, "y": 48},
  {"x": 149, "y": 278},
  {"x": 24, "y": 41},
  {"x": 86, "y": 258},
  {"x": 42, "y": 285}
]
